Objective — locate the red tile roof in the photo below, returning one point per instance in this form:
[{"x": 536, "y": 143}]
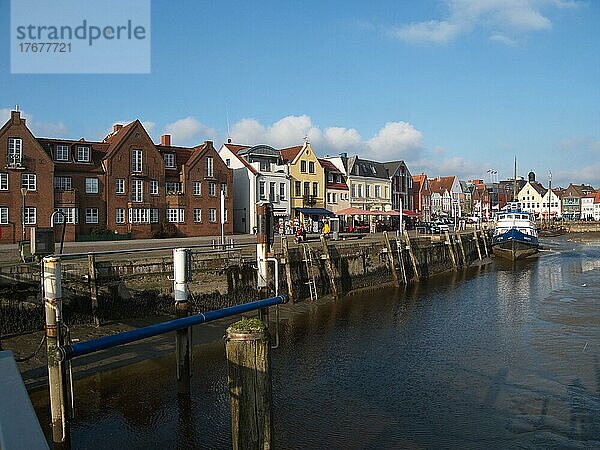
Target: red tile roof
[
  {"x": 288, "y": 154},
  {"x": 328, "y": 165}
]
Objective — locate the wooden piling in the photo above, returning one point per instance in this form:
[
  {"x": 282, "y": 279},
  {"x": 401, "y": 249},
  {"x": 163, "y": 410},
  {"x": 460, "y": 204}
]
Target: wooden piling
[
  {"x": 451, "y": 250},
  {"x": 401, "y": 259},
  {"x": 329, "y": 268},
  {"x": 485, "y": 245},
  {"x": 183, "y": 349},
  {"x": 390, "y": 255},
  {"x": 462, "y": 248},
  {"x": 93, "y": 287},
  {"x": 288, "y": 269},
  {"x": 413, "y": 260},
  {"x": 476, "y": 239},
  {"x": 249, "y": 384}
]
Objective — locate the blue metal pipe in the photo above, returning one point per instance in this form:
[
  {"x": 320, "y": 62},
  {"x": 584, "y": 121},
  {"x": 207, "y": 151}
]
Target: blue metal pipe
[{"x": 94, "y": 345}]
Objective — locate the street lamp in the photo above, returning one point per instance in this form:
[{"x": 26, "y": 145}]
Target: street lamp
[{"x": 23, "y": 193}]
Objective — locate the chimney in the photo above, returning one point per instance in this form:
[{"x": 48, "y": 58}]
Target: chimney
[
  {"x": 117, "y": 127},
  {"x": 165, "y": 140},
  {"x": 15, "y": 117}
]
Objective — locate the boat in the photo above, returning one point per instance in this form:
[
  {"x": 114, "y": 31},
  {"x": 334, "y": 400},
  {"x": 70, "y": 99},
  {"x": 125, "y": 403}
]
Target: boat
[
  {"x": 552, "y": 231},
  {"x": 515, "y": 235}
]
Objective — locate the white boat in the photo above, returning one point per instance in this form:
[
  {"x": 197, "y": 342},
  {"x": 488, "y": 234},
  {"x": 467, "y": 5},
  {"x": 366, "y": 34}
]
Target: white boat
[{"x": 515, "y": 235}]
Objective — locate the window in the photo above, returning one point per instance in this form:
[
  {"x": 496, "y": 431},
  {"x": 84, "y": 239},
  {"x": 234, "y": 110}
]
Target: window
[
  {"x": 315, "y": 189},
  {"x": 62, "y": 153},
  {"x": 69, "y": 213},
  {"x": 3, "y": 215},
  {"x": 91, "y": 215},
  {"x": 15, "y": 148},
  {"x": 197, "y": 188},
  {"x": 175, "y": 215},
  {"x": 298, "y": 188},
  {"x": 212, "y": 215},
  {"x": 272, "y": 185},
  {"x": 353, "y": 190},
  {"x": 209, "y": 166},
  {"x": 197, "y": 215},
  {"x": 153, "y": 187},
  {"x": 173, "y": 187},
  {"x": 265, "y": 166},
  {"x": 228, "y": 162},
  {"x": 225, "y": 216},
  {"x": 306, "y": 188},
  {"x": 3, "y": 181},
  {"x": 91, "y": 185},
  {"x": 281, "y": 191},
  {"x": 224, "y": 189},
  {"x": 62, "y": 183},
  {"x": 330, "y": 178},
  {"x": 120, "y": 215},
  {"x": 120, "y": 186},
  {"x": 377, "y": 191},
  {"x": 136, "y": 161},
  {"x": 138, "y": 215},
  {"x": 212, "y": 188},
  {"x": 311, "y": 167},
  {"x": 137, "y": 191},
  {"x": 28, "y": 181},
  {"x": 83, "y": 154},
  {"x": 154, "y": 215},
  {"x": 303, "y": 166},
  {"x": 367, "y": 191},
  {"x": 360, "y": 190},
  {"x": 169, "y": 160},
  {"x": 29, "y": 218},
  {"x": 261, "y": 190}
]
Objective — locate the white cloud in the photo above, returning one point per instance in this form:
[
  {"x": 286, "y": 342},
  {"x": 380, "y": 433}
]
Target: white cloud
[
  {"x": 455, "y": 165},
  {"x": 189, "y": 131},
  {"x": 40, "y": 129},
  {"x": 396, "y": 140},
  {"x": 499, "y": 16}
]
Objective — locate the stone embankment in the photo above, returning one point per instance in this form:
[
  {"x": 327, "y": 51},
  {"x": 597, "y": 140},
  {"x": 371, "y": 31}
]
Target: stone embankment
[{"x": 130, "y": 287}]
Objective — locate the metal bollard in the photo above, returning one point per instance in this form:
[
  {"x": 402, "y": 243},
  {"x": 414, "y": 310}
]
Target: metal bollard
[{"x": 183, "y": 338}]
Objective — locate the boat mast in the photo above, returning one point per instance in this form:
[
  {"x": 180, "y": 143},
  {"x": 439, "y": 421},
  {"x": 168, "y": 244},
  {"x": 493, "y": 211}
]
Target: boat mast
[
  {"x": 549, "y": 194},
  {"x": 515, "y": 182}
]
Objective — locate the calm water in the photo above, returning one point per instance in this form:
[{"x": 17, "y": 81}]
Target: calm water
[{"x": 499, "y": 357}]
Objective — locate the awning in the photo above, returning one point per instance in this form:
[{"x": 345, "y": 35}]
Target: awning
[
  {"x": 409, "y": 213},
  {"x": 315, "y": 212},
  {"x": 357, "y": 212}
]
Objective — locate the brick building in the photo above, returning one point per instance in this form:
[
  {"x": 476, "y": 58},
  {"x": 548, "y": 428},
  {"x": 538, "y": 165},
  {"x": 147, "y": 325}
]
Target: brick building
[{"x": 126, "y": 184}]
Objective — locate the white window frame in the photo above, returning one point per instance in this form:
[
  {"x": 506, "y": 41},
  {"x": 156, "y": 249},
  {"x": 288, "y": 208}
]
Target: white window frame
[
  {"x": 153, "y": 187},
  {"x": 91, "y": 215},
  {"x": 153, "y": 215},
  {"x": 197, "y": 215},
  {"x": 63, "y": 183},
  {"x": 3, "y": 181},
  {"x": 197, "y": 188},
  {"x": 170, "y": 161},
  {"x": 29, "y": 181},
  {"x": 15, "y": 151},
  {"x": 212, "y": 215},
  {"x": 212, "y": 189},
  {"x": 137, "y": 160},
  {"x": 91, "y": 185},
  {"x": 224, "y": 188},
  {"x": 83, "y": 154},
  {"x": 61, "y": 153},
  {"x": 139, "y": 215},
  {"x": 176, "y": 215},
  {"x": 70, "y": 214},
  {"x": 262, "y": 191},
  {"x": 120, "y": 186},
  {"x": 120, "y": 215},
  {"x": 3, "y": 215},
  {"x": 137, "y": 191},
  {"x": 281, "y": 191},
  {"x": 30, "y": 216},
  {"x": 210, "y": 167}
]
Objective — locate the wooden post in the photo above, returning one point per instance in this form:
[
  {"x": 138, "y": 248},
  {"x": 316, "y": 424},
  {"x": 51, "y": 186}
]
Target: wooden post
[
  {"x": 390, "y": 255},
  {"x": 485, "y": 246},
  {"x": 288, "y": 269},
  {"x": 413, "y": 260},
  {"x": 57, "y": 379},
  {"x": 451, "y": 250},
  {"x": 183, "y": 338},
  {"x": 249, "y": 383},
  {"x": 462, "y": 248},
  {"x": 476, "y": 239},
  {"x": 329, "y": 268},
  {"x": 401, "y": 259},
  {"x": 93, "y": 286}
]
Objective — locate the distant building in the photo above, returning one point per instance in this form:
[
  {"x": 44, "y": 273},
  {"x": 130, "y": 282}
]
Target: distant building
[
  {"x": 337, "y": 195},
  {"x": 445, "y": 196},
  {"x": 422, "y": 197},
  {"x": 401, "y": 185},
  {"x": 571, "y": 200}
]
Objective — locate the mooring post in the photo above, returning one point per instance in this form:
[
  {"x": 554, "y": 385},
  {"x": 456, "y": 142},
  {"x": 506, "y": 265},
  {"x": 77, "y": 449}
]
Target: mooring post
[
  {"x": 462, "y": 248},
  {"x": 263, "y": 244},
  {"x": 450, "y": 249},
  {"x": 401, "y": 257},
  {"x": 249, "y": 383},
  {"x": 390, "y": 255},
  {"x": 329, "y": 268},
  {"x": 93, "y": 286},
  {"x": 183, "y": 338},
  {"x": 485, "y": 246},
  {"x": 476, "y": 239},
  {"x": 57, "y": 379},
  {"x": 413, "y": 260},
  {"x": 288, "y": 269}
]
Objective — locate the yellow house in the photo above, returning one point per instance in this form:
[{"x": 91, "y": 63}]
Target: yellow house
[{"x": 307, "y": 182}]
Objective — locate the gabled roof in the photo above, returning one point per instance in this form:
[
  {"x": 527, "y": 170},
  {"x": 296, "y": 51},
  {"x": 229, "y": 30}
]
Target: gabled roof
[
  {"x": 393, "y": 166},
  {"x": 97, "y": 153},
  {"x": 366, "y": 168},
  {"x": 579, "y": 190},
  {"x": 329, "y": 166},
  {"x": 289, "y": 154},
  {"x": 441, "y": 184},
  {"x": 538, "y": 188},
  {"x": 115, "y": 138},
  {"x": 235, "y": 148}
]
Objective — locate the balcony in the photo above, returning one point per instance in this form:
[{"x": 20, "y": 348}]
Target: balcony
[
  {"x": 309, "y": 200},
  {"x": 15, "y": 162}
]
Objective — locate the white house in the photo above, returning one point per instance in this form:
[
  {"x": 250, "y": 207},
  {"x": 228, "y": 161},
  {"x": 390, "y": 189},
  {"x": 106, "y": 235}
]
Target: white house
[
  {"x": 587, "y": 206},
  {"x": 258, "y": 175},
  {"x": 445, "y": 195}
]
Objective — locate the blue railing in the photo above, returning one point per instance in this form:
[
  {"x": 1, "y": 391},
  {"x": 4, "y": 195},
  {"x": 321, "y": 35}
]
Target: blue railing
[{"x": 102, "y": 343}]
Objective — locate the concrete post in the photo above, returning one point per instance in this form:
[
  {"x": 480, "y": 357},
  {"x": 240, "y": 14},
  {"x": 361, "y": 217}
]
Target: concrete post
[
  {"x": 57, "y": 380},
  {"x": 183, "y": 338},
  {"x": 249, "y": 383}
]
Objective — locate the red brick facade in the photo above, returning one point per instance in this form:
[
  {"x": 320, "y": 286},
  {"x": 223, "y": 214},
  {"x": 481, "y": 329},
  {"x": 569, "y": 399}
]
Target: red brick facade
[{"x": 125, "y": 184}]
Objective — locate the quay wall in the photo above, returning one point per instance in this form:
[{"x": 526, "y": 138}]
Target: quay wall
[
  {"x": 582, "y": 227},
  {"x": 138, "y": 287}
]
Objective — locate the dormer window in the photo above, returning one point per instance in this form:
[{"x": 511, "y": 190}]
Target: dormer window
[
  {"x": 62, "y": 152},
  {"x": 83, "y": 154},
  {"x": 15, "y": 151},
  {"x": 169, "y": 160},
  {"x": 330, "y": 177},
  {"x": 265, "y": 166}
]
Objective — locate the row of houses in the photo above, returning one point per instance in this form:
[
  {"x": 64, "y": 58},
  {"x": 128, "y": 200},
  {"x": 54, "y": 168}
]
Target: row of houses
[{"x": 128, "y": 185}]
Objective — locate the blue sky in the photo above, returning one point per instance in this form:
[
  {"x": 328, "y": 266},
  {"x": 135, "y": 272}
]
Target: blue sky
[{"x": 453, "y": 87}]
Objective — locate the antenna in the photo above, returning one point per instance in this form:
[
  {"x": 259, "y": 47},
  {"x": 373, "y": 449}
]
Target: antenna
[
  {"x": 227, "y": 119},
  {"x": 16, "y": 107}
]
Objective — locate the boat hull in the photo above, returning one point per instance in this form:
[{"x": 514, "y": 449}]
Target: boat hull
[{"x": 514, "y": 245}]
